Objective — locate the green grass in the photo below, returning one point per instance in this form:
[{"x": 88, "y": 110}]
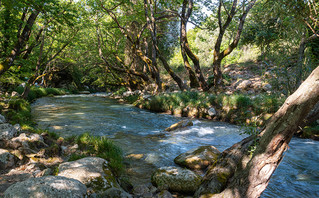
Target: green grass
[
  {"x": 101, "y": 147},
  {"x": 19, "y": 111},
  {"x": 235, "y": 108}
]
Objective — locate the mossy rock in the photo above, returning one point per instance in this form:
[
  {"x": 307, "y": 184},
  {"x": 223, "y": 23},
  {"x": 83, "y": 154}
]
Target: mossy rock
[
  {"x": 176, "y": 179},
  {"x": 198, "y": 158},
  {"x": 178, "y": 125},
  {"x": 91, "y": 171}
]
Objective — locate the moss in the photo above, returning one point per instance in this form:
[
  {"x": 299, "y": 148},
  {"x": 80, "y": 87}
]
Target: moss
[
  {"x": 223, "y": 177},
  {"x": 38, "y": 92}
]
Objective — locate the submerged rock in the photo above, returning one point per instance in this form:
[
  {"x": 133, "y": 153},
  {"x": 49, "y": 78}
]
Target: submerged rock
[
  {"x": 91, "y": 171},
  {"x": 178, "y": 125},
  {"x": 47, "y": 187},
  {"x": 176, "y": 179},
  {"x": 198, "y": 158}
]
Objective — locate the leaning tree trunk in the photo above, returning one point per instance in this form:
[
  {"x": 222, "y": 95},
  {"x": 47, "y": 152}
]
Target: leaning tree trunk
[{"x": 251, "y": 179}]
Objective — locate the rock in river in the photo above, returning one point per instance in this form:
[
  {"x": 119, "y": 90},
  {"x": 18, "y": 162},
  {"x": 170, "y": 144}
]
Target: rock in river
[
  {"x": 91, "y": 171},
  {"x": 47, "y": 187},
  {"x": 198, "y": 158},
  {"x": 178, "y": 125},
  {"x": 176, "y": 179}
]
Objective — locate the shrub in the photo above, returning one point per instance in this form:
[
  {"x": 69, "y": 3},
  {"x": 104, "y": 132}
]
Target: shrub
[{"x": 120, "y": 91}]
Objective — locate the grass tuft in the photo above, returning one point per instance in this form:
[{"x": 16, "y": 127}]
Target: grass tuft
[{"x": 101, "y": 147}]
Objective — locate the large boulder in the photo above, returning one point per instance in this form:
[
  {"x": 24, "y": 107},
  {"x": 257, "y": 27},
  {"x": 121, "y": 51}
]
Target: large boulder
[
  {"x": 178, "y": 125},
  {"x": 7, "y": 131},
  {"x": 6, "y": 159},
  {"x": 47, "y": 187},
  {"x": 91, "y": 171},
  {"x": 176, "y": 179},
  {"x": 198, "y": 158}
]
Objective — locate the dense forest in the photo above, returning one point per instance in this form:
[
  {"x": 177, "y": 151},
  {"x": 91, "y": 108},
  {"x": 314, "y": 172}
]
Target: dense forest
[
  {"x": 105, "y": 45},
  {"x": 221, "y": 53}
]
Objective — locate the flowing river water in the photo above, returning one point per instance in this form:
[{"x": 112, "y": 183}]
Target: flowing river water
[{"x": 141, "y": 135}]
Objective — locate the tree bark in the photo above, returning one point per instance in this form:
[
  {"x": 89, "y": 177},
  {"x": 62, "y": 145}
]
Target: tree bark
[
  {"x": 301, "y": 55},
  {"x": 218, "y": 55},
  {"x": 153, "y": 31},
  {"x": 186, "y": 50},
  {"x": 126, "y": 70},
  {"x": 251, "y": 179},
  {"x": 183, "y": 39},
  {"x": 151, "y": 24},
  {"x": 21, "y": 43}
]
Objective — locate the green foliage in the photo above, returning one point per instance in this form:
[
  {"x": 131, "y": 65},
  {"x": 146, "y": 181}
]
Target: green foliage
[
  {"x": 75, "y": 156},
  {"x": 235, "y": 108},
  {"x": 38, "y": 92},
  {"x": 120, "y": 91},
  {"x": 19, "y": 111},
  {"x": 131, "y": 98},
  {"x": 101, "y": 147}
]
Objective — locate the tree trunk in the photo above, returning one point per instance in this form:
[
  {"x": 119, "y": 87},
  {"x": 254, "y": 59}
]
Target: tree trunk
[
  {"x": 183, "y": 39},
  {"x": 22, "y": 40},
  {"x": 218, "y": 78},
  {"x": 251, "y": 179},
  {"x": 301, "y": 55},
  {"x": 151, "y": 25},
  {"x": 156, "y": 71},
  {"x": 176, "y": 78},
  {"x": 218, "y": 55},
  {"x": 185, "y": 49}
]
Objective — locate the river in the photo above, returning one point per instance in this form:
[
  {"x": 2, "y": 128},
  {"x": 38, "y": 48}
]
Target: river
[{"x": 141, "y": 133}]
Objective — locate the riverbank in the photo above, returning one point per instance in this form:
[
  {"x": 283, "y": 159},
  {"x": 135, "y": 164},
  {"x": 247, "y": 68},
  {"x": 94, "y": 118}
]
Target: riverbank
[
  {"x": 28, "y": 153},
  {"x": 250, "y": 110},
  {"x": 129, "y": 130}
]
